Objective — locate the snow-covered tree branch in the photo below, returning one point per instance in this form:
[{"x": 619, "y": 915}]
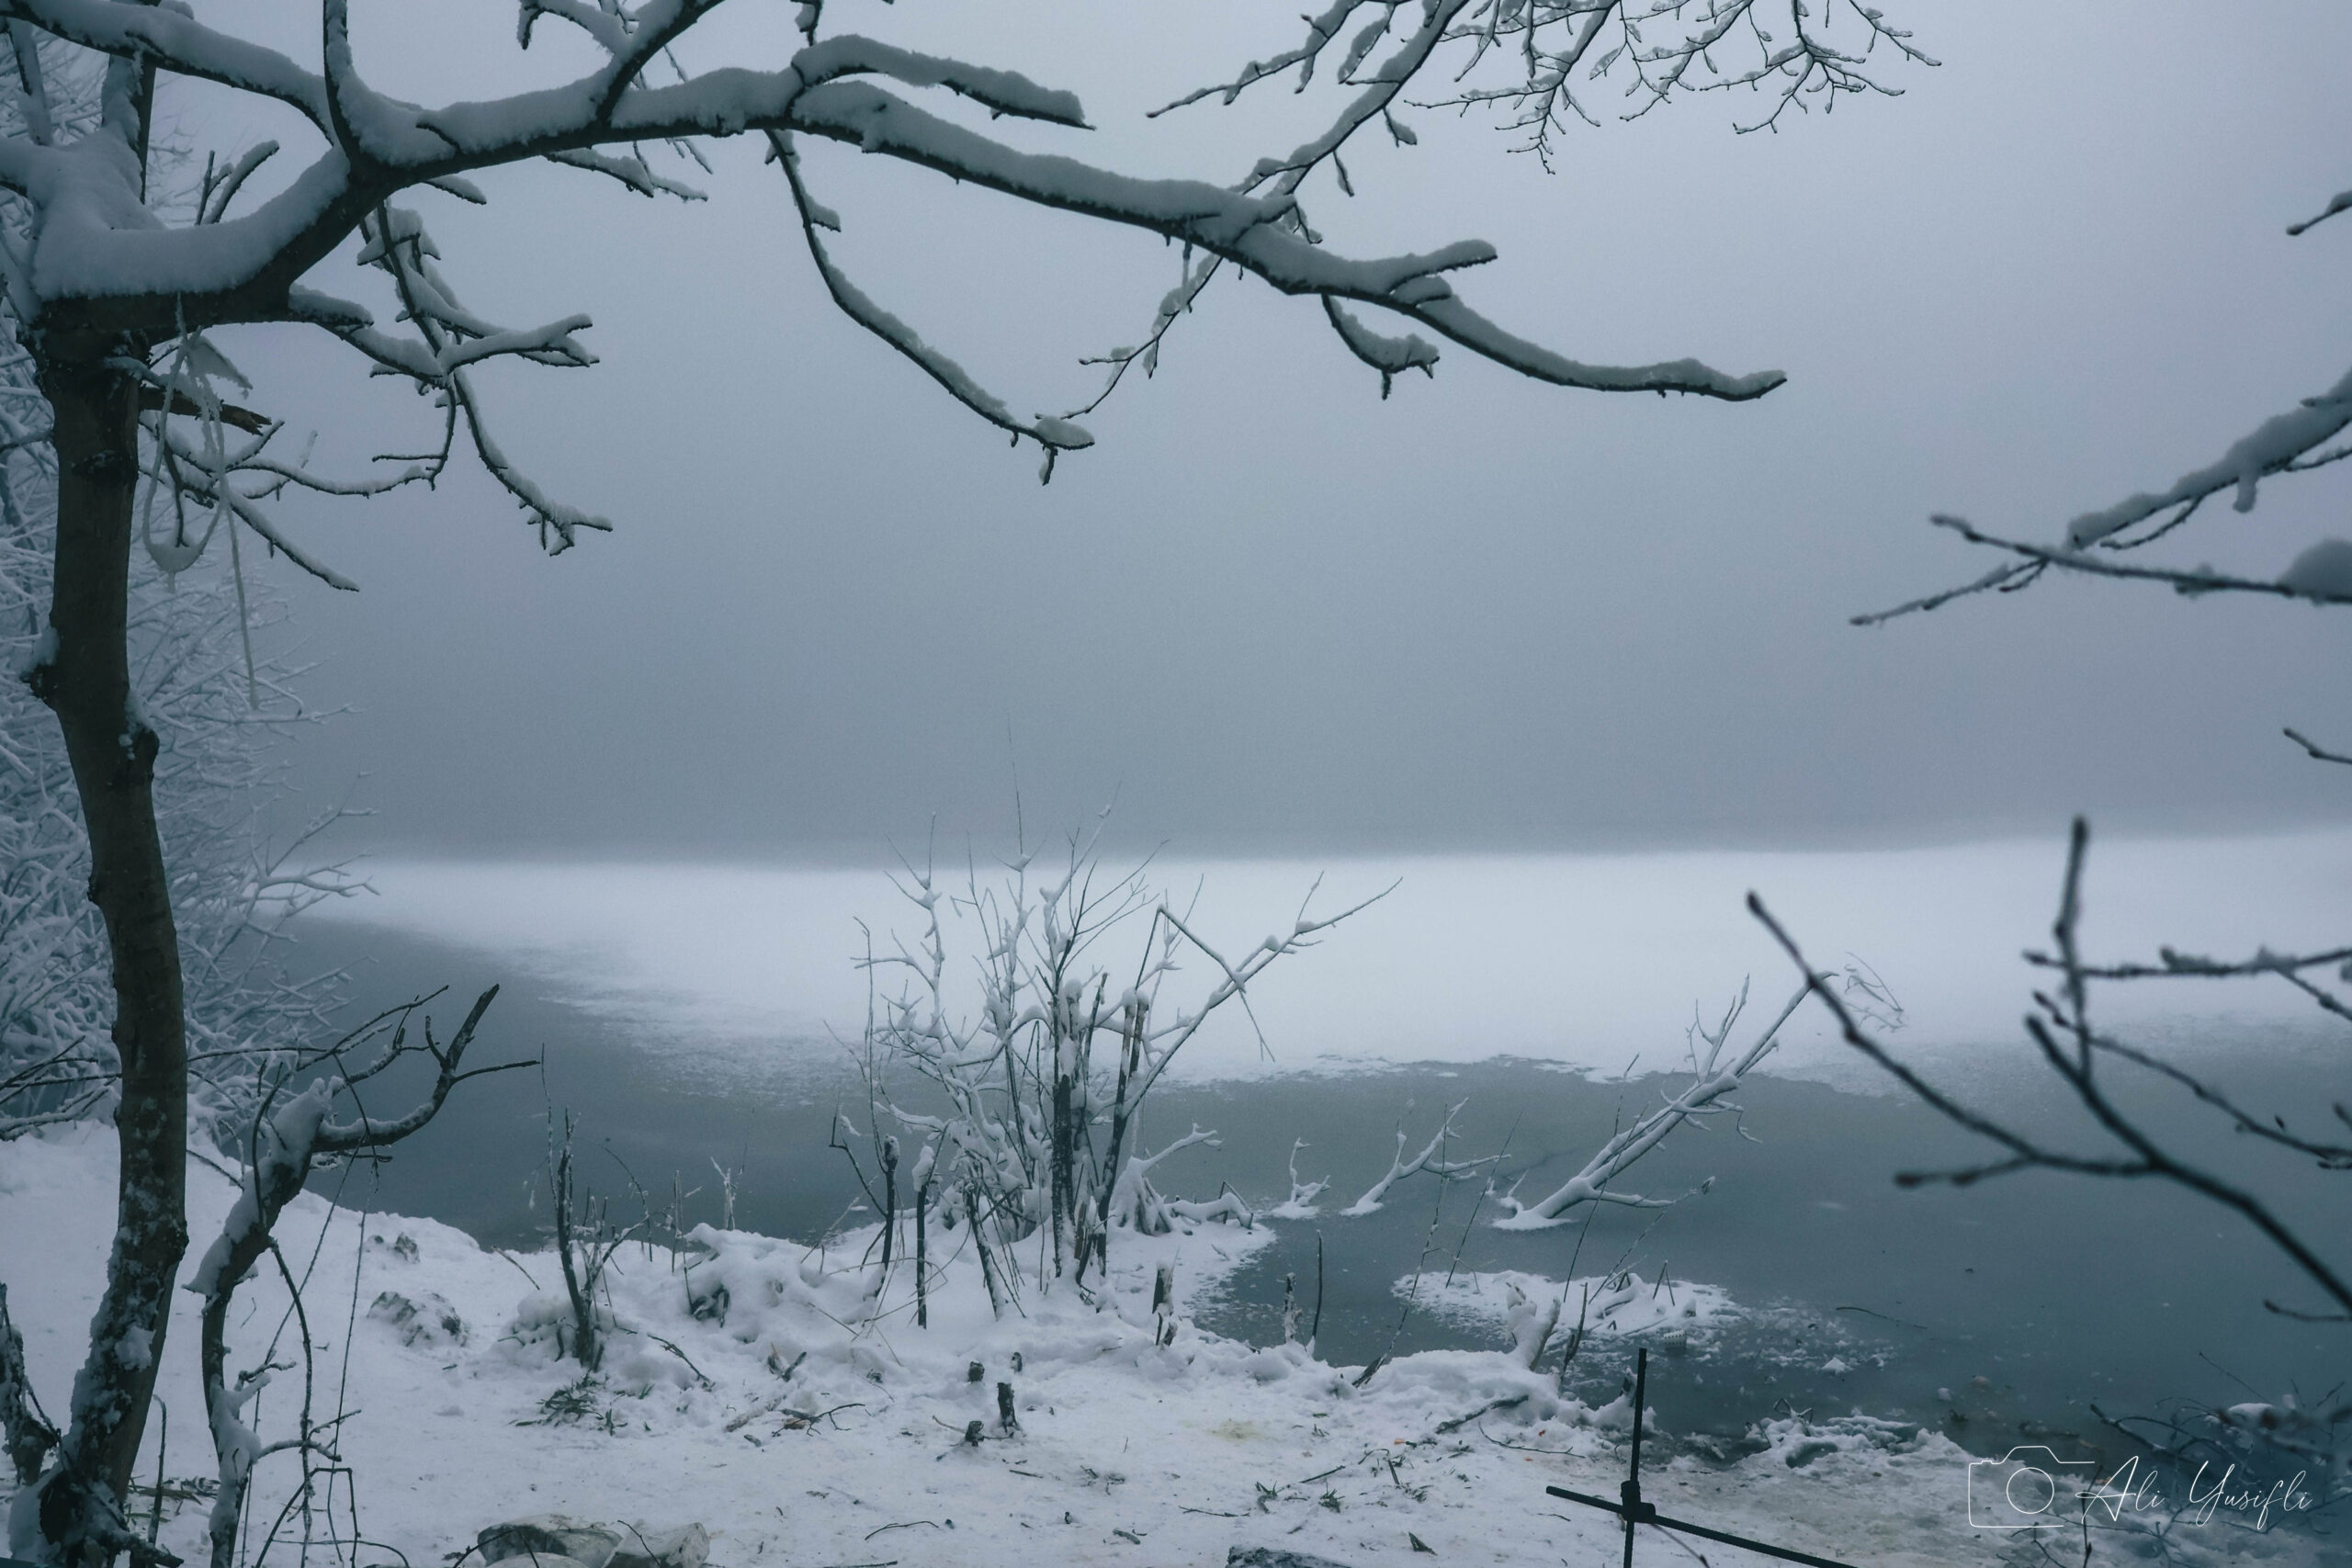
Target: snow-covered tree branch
[
  {"x": 289, "y": 1138},
  {"x": 1712, "y": 1080},
  {"x": 2295, "y": 441},
  {"x": 1431, "y": 1159}
]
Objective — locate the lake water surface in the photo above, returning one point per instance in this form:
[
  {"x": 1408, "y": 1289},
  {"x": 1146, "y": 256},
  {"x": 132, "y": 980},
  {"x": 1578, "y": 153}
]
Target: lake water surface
[{"x": 2029, "y": 1305}]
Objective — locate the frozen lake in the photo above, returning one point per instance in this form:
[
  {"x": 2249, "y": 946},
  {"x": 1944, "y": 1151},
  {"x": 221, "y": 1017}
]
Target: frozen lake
[{"x": 685, "y": 1012}]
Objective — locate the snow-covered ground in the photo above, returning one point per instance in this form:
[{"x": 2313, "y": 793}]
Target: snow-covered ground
[
  {"x": 1583, "y": 959},
  {"x": 801, "y": 1427}
]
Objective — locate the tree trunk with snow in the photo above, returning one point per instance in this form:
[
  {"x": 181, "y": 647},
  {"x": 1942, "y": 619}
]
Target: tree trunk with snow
[
  {"x": 286, "y": 1143},
  {"x": 271, "y": 1184},
  {"x": 84, "y": 679}
]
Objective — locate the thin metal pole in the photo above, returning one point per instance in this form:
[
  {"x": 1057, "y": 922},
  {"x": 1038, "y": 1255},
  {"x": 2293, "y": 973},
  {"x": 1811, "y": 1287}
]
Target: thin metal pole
[
  {"x": 1634, "y": 1511},
  {"x": 1633, "y": 1488}
]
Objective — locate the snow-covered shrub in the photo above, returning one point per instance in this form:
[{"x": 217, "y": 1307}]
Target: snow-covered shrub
[{"x": 1027, "y": 1105}]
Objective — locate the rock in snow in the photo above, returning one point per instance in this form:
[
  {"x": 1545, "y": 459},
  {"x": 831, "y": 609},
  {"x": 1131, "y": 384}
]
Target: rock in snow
[
  {"x": 544, "y": 1536},
  {"x": 1270, "y": 1557},
  {"x": 685, "y": 1547},
  {"x": 558, "y": 1540},
  {"x": 429, "y": 1321}
]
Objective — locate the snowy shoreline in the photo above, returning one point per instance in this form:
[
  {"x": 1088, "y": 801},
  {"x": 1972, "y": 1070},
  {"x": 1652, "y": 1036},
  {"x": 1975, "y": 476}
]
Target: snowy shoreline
[{"x": 1127, "y": 1448}]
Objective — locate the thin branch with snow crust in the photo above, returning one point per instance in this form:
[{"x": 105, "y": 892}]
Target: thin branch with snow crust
[
  {"x": 1431, "y": 1159},
  {"x": 2293, "y": 442},
  {"x": 1712, "y": 1081}
]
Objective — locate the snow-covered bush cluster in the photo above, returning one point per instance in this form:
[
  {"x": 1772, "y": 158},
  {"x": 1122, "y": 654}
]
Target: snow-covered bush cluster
[{"x": 1025, "y": 1097}]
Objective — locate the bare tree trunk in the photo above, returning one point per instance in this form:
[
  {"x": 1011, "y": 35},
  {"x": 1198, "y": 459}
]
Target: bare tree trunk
[
  {"x": 923, "y": 1288},
  {"x": 890, "y": 1201},
  {"x": 1131, "y": 1032},
  {"x": 980, "y": 1245},
  {"x": 579, "y": 1280},
  {"x": 84, "y": 679},
  {"x": 1065, "y": 1156}
]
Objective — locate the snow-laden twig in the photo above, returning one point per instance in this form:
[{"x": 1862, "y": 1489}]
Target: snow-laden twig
[
  {"x": 2295, "y": 441},
  {"x": 1300, "y": 1204},
  {"x": 1712, "y": 1080},
  {"x": 1431, "y": 1159}
]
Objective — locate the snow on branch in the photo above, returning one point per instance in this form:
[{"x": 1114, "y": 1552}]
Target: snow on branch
[
  {"x": 1172, "y": 306},
  {"x": 109, "y": 264},
  {"x": 1248, "y": 231},
  {"x": 1390, "y": 355},
  {"x": 1712, "y": 1080},
  {"x": 177, "y": 42},
  {"x": 631, "y": 172},
  {"x": 2321, "y": 574},
  {"x": 220, "y": 188},
  {"x": 454, "y": 337},
  {"x": 1527, "y": 60},
  {"x": 1028, "y": 1099},
  {"x": 606, "y": 29},
  {"x": 1431, "y": 1159},
  {"x": 2281, "y": 444},
  {"x": 1054, "y": 435},
  {"x": 290, "y": 1138},
  {"x": 1286, "y": 174},
  {"x": 392, "y": 146},
  {"x": 2294, "y": 441}
]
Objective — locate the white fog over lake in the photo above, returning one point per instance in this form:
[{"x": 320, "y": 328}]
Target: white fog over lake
[{"x": 749, "y": 972}]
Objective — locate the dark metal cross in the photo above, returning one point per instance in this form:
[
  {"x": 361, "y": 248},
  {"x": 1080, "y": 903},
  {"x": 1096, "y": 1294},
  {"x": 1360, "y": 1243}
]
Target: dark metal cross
[{"x": 1634, "y": 1511}]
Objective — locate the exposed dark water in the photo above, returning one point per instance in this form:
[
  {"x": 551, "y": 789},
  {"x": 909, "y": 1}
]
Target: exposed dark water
[
  {"x": 2057, "y": 1292},
  {"x": 482, "y": 1160}
]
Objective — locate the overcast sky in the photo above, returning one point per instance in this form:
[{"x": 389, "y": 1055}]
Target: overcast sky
[{"x": 1271, "y": 610}]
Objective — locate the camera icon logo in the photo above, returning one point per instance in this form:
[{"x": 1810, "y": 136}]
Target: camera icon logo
[{"x": 2028, "y": 1488}]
